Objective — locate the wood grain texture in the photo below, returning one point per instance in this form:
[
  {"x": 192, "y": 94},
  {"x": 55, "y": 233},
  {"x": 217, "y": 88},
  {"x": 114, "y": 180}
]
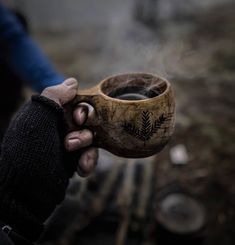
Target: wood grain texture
[{"x": 131, "y": 128}]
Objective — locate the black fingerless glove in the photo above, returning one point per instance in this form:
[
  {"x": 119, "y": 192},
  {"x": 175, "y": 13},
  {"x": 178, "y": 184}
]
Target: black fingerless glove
[{"x": 33, "y": 173}]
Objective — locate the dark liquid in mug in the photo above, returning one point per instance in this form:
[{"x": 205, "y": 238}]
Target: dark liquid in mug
[
  {"x": 133, "y": 93},
  {"x": 132, "y": 96}
]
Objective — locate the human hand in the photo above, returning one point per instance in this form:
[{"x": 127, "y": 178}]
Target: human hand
[
  {"x": 75, "y": 140},
  {"x": 35, "y": 166}
]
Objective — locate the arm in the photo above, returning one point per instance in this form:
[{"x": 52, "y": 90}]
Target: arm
[
  {"x": 24, "y": 57},
  {"x": 33, "y": 177},
  {"x": 35, "y": 166}
]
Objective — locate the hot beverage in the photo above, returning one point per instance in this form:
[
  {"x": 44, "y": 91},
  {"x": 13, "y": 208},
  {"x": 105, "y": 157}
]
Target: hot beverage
[{"x": 134, "y": 114}]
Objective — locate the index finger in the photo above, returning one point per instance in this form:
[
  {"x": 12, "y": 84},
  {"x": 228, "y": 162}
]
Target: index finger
[{"x": 82, "y": 112}]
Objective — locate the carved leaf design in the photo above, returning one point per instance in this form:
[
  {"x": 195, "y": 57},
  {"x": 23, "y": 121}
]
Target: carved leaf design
[
  {"x": 146, "y": 123},
  {"x": 158, "y": 123},
  {"x": 147, "y": 129}
]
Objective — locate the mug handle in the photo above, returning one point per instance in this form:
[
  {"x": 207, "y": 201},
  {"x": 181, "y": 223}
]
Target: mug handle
[{"x": 92, "y": 97}]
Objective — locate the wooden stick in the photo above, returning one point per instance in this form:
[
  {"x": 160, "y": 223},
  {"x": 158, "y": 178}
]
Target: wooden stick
[{"x": 124, "y": 201}]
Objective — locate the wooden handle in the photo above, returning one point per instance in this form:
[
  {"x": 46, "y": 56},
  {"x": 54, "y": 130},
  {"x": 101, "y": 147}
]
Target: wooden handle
[
  {"x": 128, "y": 128},
  {"x": 91, "y": 96}
]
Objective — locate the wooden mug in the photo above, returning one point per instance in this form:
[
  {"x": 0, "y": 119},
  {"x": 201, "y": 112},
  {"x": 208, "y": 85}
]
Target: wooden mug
[{"x": 133, "y": 115}]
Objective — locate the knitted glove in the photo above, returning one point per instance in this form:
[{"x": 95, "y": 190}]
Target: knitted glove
[{"x": 33, "y": 177}]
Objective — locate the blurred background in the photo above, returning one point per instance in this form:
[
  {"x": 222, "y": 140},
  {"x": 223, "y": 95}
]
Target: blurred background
[{"x": 185, "y": 194}]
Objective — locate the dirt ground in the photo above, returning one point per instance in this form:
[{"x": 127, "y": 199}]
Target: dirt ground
[{"x": 197, "y": 55}]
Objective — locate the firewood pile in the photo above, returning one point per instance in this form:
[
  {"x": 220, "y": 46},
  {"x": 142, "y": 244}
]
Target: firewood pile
[{"x": 122, "y": 205}]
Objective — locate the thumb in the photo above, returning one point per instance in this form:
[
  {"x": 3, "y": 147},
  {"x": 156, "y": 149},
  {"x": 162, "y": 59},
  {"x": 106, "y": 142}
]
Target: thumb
[{"x": 62, "y": 93}]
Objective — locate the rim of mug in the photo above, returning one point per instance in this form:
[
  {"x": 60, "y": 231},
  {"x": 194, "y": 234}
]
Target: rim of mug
[{"x": 166, "y": 90}]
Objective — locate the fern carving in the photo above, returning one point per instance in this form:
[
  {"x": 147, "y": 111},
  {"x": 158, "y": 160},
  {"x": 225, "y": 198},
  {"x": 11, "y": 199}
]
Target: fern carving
[{"x": 147, "y": 129}]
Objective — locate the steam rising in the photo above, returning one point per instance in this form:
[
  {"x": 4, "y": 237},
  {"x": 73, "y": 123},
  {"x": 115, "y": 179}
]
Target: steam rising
[
  {"x": 134, "y": 86},
  {"x": 119, "y": 44},
  {"x": 125, "y": 45}
]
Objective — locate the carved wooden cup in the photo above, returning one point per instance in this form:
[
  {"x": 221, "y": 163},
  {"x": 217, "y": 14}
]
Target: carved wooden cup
[{"x": 133, "y": 114}]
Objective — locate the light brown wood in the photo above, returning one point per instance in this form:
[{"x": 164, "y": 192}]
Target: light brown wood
[{"x": 131, "y": 128}]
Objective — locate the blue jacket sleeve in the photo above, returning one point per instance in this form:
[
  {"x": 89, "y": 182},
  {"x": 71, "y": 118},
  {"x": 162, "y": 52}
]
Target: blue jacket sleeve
[{"x": 23, "y": 56}]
